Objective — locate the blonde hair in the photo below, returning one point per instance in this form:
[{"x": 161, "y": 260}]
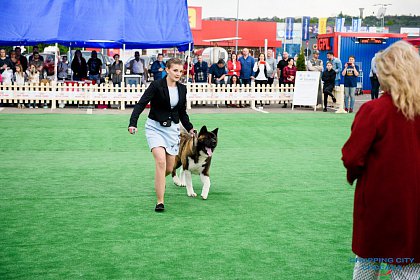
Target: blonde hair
[{"x": 398, "y": 68}]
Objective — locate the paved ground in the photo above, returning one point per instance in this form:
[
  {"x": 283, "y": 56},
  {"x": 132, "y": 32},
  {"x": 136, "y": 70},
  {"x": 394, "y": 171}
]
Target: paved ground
[{"x": 198, "y": 109}]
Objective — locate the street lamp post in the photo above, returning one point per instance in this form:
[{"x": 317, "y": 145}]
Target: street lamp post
[
  {"x": 381, "y": 13},
  {"x": 237, "y": 26}
]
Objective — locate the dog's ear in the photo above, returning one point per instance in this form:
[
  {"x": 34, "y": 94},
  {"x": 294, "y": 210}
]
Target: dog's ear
[
  {"x": 215, "y": 131},
  {"x": 203, "y": 130}
]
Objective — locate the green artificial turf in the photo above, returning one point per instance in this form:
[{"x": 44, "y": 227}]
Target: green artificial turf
[{"x": 77, "y": 200}]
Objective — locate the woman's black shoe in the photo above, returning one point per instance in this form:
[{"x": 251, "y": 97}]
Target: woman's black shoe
[
  {"x": 159, "y": 207},
  {"x": 325, "y": 110}
]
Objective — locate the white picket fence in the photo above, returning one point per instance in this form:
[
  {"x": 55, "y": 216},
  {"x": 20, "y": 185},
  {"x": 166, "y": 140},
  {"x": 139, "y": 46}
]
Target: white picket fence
[{"x": 84, "y": 94}]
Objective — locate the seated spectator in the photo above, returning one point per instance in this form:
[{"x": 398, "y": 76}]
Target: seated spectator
[
  {"x": 33, "y": 78},
  {"x": 62, "y": 68},
  {"x": 19, "y": 78},
  {"x": 234, "y": 81},
  {"x": 201, "y": 69},
  {"x": 94, "y": 66},
  {"x": 217, "y": 73},
  {"x": 79, "y": 66}
]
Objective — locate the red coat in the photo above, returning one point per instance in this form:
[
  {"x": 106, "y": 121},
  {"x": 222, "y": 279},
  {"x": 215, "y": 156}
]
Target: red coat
[
  {"x": 383, "y": 154},
  {"x": 289, "y": 72},
  {"x": 234, "y": 68}
]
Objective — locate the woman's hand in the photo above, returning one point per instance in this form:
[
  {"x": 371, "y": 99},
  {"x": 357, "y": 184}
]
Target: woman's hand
[{"x": 132, "y": 130}]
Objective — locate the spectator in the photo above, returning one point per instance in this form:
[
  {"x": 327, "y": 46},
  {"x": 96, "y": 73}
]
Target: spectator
[
  {"x": 235, "y": 82},
  {"x": 79, "y": 66},
  {"x": 162, "y": 125},
  {"x": 116, "y": 70},
  {"x": 13, "y": 60},
  {"x": 21, "y": 58},
  {"x": 37, "y": 62},
  {"x": 247, "y": 63},
  {"x": 234, "y": 66},
  {"x": 280, "y": 66},
  {"x": 374, "y": 78},
  {"x": 289, "y": 72},
  {"x": 5, "y": 63},
  {"x": 137, "y": 66},
  {"x": 383, "y": 155},
  {"x": 328, "y": 77},
  {"x": 272, "y": 62},
  {"x": 201, "y": 69},
  {"x": 217, "y": 73},
  {"x": 261, "y": 69},
  {"x": 158, "y": 68},
  {"x": 34, "y": 50},
  {"x": 190, "y": 66},
  {"x": 350, "y": 73},
  {"x": 94, "y": 66},
  {"x": 316, "y": 64},
  {"x": 33, "y": 78},
  {"x": 337, "y": 67},
  {"x": 62, "y": 68},
  {"x": 19, "y": 78}
]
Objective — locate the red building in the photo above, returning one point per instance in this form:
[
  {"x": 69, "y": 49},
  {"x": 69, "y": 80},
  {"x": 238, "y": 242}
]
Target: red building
[{"x": 252, "y": 34}]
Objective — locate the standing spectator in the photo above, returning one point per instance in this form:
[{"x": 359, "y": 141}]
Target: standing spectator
[
  {"x": 234, "y": 66},
  {"x": 21, "y": 58},
  {"x": 289, "y": 72},
  {"x": 158, "y": 68},
  {"x": 201, "y": 69},
  {"x": 162, "y": 125},
  {"x": 188, "y": 65},
  {"x": 62, "y": 68},
  {"x": 374, "y": 78},
  {"x": 247, "y": 63},
  {"x": 280, "y": 66},
  {"x": 337, "y": 67},
  {"x": 350, "y": 73},
  {"x": 328, "y": 77},
  {"x": 261, "y": 69},
  {"x": 35, "y": 49},
  {"x": 137, "y": 66},
  {"x": 316, "y": 64},
  {"x": 19, "y": 78},
  {"x": 383, "y": 155},
  {"x": 79, "y": 67},
  {"x": 13, "y": 60},
  {"x": 94, "y": 66},
  {"x": 33, "y": 78},
  {"x": 116, "y": 70},
  {"x": 272, "y": 62},
  {"x": 217, "y": 73},
  {"x": 38, "y": 63},
  {"x": 5, "y": 63}
]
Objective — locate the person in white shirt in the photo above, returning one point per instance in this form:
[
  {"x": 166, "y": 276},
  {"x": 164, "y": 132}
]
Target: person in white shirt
[{"x": 261, "y": 67}]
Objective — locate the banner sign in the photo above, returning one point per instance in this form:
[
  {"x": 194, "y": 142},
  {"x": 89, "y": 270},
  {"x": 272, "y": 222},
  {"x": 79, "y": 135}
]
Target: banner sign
[
  {"x": 305, "y": 28},
  {"x": 322, "y": 26},
  {"x": 289, "y": 28},
  {"x": 356, "y": 24},
  {"x": 339, "y": 24}
]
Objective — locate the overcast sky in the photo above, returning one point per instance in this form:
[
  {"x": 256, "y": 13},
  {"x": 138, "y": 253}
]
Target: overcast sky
[{"x": 298, "y": 8}]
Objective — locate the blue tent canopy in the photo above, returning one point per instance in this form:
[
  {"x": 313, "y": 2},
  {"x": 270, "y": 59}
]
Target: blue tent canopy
[{"x": 142, "y": 24}]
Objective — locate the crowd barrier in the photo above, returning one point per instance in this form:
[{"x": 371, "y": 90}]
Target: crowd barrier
[{"x": 87, "y": 94}]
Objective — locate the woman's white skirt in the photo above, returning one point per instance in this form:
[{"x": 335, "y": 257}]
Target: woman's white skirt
[{"x": 160, "y": 136}]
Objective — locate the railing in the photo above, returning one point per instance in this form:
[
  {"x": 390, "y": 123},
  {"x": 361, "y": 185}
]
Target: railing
[{"x": 85, "y": 94}]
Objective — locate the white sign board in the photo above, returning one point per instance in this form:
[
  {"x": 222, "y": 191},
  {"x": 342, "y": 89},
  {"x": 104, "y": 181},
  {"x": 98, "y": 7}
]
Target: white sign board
[
  {"x": 411, "y": 31},
  {"x": 306, "y": 88}
]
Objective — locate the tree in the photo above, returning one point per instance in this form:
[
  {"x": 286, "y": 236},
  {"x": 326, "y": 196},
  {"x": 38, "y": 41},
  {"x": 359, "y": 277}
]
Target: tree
[{"x": 300, "y": 62}]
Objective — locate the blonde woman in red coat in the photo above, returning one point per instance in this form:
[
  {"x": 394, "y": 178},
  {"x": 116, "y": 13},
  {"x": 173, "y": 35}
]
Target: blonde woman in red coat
[{"x": 383, "y": 155}]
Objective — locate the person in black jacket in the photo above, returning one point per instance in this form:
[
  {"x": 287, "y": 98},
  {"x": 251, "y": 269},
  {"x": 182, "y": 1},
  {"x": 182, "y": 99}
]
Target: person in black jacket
[
  {"x": 79, "y": 66},
  {"x": 328, "y": 77},
  {"x": 168, "y": 105}
]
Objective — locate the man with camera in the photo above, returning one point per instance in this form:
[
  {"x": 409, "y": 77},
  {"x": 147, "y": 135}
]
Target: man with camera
[{"x": 350, "y": 73}]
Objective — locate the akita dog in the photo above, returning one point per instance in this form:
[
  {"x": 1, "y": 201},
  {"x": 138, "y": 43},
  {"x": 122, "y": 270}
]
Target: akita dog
[{"x": 195, "y": 154}]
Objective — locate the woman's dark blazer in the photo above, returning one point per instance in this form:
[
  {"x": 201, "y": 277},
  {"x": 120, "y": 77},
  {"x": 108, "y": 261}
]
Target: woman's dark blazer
[{"x": 160, "y": 108}]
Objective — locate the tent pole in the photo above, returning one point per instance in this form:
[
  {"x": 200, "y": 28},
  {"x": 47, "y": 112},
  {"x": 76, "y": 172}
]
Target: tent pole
[
  {"x": 123, "y": 72},
  {"x": 56, "y": 62}
]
